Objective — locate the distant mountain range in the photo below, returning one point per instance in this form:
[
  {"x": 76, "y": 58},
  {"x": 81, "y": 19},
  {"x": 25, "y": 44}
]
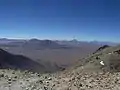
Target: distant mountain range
[
  {"x": 43, "y": 44},
  {"x": 6, "y": 41},
  {"x": 49, "y": 43},
  {"x": 32, "y": 44},
  {"x": 81, "y": 43}
]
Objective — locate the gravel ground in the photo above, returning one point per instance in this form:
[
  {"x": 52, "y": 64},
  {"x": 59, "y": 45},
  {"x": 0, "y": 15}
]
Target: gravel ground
[{"x": 74, "y": 80}]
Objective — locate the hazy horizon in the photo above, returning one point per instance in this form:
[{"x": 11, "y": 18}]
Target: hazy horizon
[
  {"x": 84, "y": 20},
  {"x": 94, "y": 41}
]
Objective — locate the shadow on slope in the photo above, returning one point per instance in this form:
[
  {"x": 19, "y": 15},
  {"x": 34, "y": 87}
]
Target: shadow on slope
[{"x": 8, "y": 60}]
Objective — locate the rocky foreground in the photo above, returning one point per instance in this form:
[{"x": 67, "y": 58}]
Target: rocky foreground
[{"x": 75, "y": 80}]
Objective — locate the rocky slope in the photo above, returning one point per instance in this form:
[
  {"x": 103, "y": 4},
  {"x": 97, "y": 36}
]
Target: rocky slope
[{"x": 87, "y": 74}]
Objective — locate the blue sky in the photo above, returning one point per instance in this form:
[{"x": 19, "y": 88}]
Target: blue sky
[{"x": 61, "y": 19}]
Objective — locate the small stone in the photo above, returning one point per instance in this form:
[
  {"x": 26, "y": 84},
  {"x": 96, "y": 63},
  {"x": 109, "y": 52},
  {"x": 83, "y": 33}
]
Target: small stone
[
  {"x": 87, "y": 86},
  {"x": 27, "y": 80},
  {"x": 58, "y": 82},
  {"x": 73, "y": 78},
  {"x": 2, "y": 75},
  {"x": 45, "y": 77},
  {"x": 21, "y": 83},
  {"x": 118, "y": 81},
  {"x": 13, "y": 80},
  {"x": 9, "y": 79},
  {"x": 15, "y": 77},
  {"x": 97, "y": 79},
  {"x": 109, "y": 53},
  {"x": 47, "y": 81},
  {"x": 41, "y": 81},
  {"x": 78, "y": 78},
  {"x": 102, "y": 63},
  {"x": 97, "y": 57},
  {"x": 45, "y": 88},
  {"x": 49, "y": 78},
  {"x": 38, "y": 75},
  {"x": 74, "y": 84},
  {"x": 27, "y": 88},
  {"x": 13, "y": 72},
  {"x": 53, "y": 85},
  {"x": 80, "y": 85}
]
